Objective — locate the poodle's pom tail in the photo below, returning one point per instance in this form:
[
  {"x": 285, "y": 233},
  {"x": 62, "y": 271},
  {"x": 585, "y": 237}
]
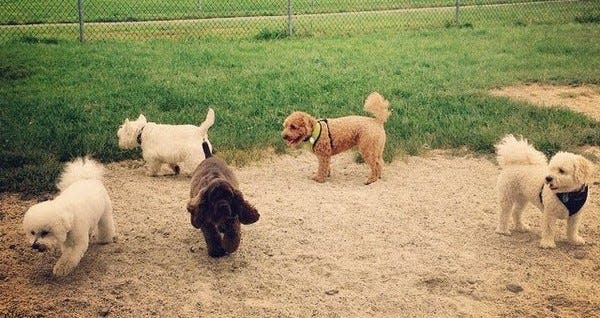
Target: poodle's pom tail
[
  {"x": 81, "y": 168},
  {"x": 378, "y": 106},
  {"x": 513, "y": 151},
  {"x": 209, "y": 121}
]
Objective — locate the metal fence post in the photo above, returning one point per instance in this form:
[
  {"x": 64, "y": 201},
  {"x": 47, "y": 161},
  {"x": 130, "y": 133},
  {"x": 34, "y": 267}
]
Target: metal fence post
[
  {"x": 457, "y": 13},
  {"x": 290, "y": 13},
  {"x": 80, "y": 13}
]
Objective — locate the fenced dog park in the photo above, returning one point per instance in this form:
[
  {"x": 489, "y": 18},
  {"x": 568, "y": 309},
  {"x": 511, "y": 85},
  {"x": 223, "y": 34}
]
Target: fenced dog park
[
  {"x": 92, "y": 19},
  {"x": 419, "y": 242}
]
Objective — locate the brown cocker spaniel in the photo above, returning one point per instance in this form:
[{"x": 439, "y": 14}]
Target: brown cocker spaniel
[{"x": 217, "y": 206}]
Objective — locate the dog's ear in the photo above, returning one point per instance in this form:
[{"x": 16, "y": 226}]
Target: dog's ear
[
  {"x": 583, "y": 169},
  {"x": 193, "y": 207},
  {"x": 64, "y": 227},
  {"x": 246, "y": 212},
  {"x": 142, "y": 118},
  {"x": 308, "y": 123}
]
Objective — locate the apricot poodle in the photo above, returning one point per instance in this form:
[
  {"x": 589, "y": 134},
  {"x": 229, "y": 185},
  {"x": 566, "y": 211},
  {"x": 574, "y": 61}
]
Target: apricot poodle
[
  {"x": 217, "y": 206},
  {"x": 335, "y": 135}
]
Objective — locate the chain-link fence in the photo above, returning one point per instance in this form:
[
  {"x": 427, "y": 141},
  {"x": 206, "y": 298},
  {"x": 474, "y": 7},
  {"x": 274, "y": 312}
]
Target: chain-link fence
[{"x": 144, "y": 19}]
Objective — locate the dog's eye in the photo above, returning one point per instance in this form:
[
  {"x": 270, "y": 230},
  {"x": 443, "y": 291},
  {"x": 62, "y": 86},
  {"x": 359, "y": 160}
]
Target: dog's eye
[
  {"x": 293, "y": 126},
  {"x": 43, "y": 233},
  {"x": 32, "y": 232},
  {"x": 561, "y": 171}
]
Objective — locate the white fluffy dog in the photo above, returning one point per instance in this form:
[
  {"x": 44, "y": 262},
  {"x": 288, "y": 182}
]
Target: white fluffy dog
[
  {"x": 558, "y": 188},
  {"x": 80, "y": 211},
  {"x": 179, "y": 146}
]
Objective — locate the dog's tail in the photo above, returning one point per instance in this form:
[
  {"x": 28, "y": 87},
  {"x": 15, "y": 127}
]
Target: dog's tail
[
  {"x": 378, "y": 106},
  {"x": 513, "y": 151},
  {"x": 208, "y": 121},
  {"x": 206, "y": 148},
  {"x": 81, "y": 168}
]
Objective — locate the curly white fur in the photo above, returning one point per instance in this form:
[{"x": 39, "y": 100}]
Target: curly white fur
[
  {"x": 526, "y": 173},
  {"x": 179, "y": 146},
  {"x": 82, "y": 209}
]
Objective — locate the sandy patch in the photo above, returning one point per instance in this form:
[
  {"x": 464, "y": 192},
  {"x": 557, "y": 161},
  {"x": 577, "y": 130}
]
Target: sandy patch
[
  {"x": 419, "y": 242},
  {"x": 582, "y": 98}
]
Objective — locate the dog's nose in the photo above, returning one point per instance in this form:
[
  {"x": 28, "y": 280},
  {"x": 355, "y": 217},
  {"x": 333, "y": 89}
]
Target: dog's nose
[
  {"x": 36, "y": 246},
  {"x": 549, "y": 178}
]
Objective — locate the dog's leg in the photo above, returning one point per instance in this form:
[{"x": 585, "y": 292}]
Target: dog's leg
[
  {"x": 547, "y": 240},
  {"x": 71, "y": 255},
  {"x": 213, "y": 240},
  {"x": 323, "y": 170},
  {"x": 504, "y": 216},
  {"x": 106, "y": 227},
  {"x": 573, "y": 230},
  {"x": 175, "y": 168},
  {"x": 517, "y": 213},
  {"x": 375, "y": 165},
  {"x": 152, "y": 167},
  {"x": 231, "y": 235},
  {"x": 188, "y": 166}
]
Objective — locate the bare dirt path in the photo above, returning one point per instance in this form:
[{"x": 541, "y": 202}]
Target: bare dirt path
[{"x": 419, "y": 242}]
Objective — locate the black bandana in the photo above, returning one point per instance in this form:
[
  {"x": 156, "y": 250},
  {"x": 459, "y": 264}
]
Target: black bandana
[{"x": 575, "y": 200}]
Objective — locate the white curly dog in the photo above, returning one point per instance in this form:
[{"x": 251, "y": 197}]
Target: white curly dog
[
  {"x": 179, "y": 146},
  {"x": 558, "y": 188},
  {"x": 81, "y": 210}
]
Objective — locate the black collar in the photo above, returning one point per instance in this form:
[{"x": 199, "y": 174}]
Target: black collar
[
  {"x": 573, "y": 201},
  {"x": 139, "y": 136}
]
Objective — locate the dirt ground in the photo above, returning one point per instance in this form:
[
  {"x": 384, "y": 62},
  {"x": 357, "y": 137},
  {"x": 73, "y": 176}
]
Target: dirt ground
[{"x": 418, "y": 243}]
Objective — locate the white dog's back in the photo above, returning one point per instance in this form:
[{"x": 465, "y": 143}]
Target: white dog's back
[
  {"x": 82, "y": 168},
  {"x": 513, "y": 151}
]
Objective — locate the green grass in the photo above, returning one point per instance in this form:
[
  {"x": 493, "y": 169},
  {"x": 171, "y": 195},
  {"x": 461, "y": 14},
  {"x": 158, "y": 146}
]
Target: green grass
[{"x": 62, "y": 99}]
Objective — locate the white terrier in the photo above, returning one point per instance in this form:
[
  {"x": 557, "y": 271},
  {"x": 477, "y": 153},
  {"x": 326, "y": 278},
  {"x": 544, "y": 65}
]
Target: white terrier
[
  {"x": 558, "y": 188},
  {"x": 80, "y": 211},
  {"x": 179, "y": 146}
]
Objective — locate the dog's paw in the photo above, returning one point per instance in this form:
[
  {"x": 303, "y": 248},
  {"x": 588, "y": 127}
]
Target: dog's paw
[
  {"x": 217, "y": 252},
  {"x": 151, "y": 174},
  {"x": 62, "y": 268},
  {"x": 547, "y": 244},
  {"x": 318, "y": 179},
  {"x": 370, "y": 180},
  {"x": 577, "y": 240},
  {"x": 522, "y": 227},
  {"x": 503, "y": 231}
]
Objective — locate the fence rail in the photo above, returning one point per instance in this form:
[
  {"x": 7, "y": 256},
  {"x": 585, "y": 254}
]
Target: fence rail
[{"x": 144, "y": 19}]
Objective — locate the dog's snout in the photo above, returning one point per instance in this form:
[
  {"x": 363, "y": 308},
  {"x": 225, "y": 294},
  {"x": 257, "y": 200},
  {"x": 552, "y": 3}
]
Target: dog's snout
[{"x": 549, "y": 178}]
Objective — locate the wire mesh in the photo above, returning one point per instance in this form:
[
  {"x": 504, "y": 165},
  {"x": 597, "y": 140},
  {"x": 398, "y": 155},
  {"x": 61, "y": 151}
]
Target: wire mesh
[{"x": 148, "y": 19}]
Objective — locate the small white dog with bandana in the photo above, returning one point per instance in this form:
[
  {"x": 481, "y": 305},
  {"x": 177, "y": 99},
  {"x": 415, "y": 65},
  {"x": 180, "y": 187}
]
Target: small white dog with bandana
[
  {"x": 558, "y": 188},
  {"x": 179, "y": 146},
  {"x": 82, "y": 211}
]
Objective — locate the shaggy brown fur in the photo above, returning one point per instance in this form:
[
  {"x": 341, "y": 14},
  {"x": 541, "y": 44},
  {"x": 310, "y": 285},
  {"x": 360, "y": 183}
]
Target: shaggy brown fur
[
  {"x": 218, "y": 207},
  {"x": 340, "y": 134}
]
